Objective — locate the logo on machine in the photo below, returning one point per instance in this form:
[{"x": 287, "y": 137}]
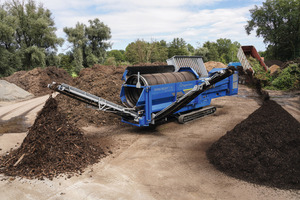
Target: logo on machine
[
  {"x": 164, "y": 89},
  {"x": 186, "y": 85}
]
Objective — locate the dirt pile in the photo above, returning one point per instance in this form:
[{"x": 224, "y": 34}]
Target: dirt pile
[
  {"x": 53, "y": 146},
  {"x": 286, "y": 64},
  {"x": 212, "y": 64},
  {"x": 35, "y": 81},
  {"x": 102, "y": 81},
  {"x": 262, "y": 149},
  {"x": 269, "y": 63},
  {"x": 273, "y": 69},
  {"x": 11, "y": 92}
]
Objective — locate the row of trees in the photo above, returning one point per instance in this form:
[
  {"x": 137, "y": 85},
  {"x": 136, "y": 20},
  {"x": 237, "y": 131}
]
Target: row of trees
[
  {"x": 28, "y": 39},
  {"x": 140, "y": 51}
]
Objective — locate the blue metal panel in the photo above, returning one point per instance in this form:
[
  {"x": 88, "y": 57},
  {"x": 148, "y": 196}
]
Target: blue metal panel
[
  {"x": 122, "y": 95},
  {"x": 124, "y": 75},
  {"x": 214, "y": 70},
  {"x": 235, "y": 64},
  {"x": 233, "y": 85},
  {"x": 148, "y": 106},
  {"x": 159, "y": 107},
  {"x": 134, "y": 124}
]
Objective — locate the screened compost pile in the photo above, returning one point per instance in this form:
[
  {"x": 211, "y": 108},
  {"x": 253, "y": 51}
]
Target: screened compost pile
[
  {"x": 53, "y": 146},
  {"x": 262, "y": 149}
]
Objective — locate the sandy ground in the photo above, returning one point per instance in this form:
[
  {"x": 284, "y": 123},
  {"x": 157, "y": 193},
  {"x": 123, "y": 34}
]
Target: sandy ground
[{"x": 165, "y": 162}]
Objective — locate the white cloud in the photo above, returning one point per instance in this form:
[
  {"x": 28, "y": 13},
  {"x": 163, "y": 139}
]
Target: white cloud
[
  {"x": 123, "y": 4},
  {"x": 144, "y": 19}
]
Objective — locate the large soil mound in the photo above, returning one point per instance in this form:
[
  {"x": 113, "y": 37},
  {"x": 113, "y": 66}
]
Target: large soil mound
[
  {"x": 273, "y": 69},
  {"x": 102, "y": 81},
  {"x": 269, "y": 63},
  {"x": 212, "y": 64},
  {"x": 36, "y": 81},
  {"x": 263, "y": 149},
  {"x": 52, "y": 146}
]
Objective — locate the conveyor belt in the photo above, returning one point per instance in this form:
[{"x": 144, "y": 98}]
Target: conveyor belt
[
  {"x": 94, "y": 101},
  {"x": 192, "y": 94}
]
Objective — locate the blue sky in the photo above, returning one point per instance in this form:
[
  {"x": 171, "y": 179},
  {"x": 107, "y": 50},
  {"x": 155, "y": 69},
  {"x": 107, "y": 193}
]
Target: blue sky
[{"x": 196, "y": 21}]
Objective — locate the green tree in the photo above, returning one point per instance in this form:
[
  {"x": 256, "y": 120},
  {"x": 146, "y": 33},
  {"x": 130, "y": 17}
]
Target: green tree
[
  {"x": 227, "y": 50},
  {"x": 27, "y": 37},
  {"x": 160, "y": 52},
  {"x": 76, "y": 36},
  {"x": 52, "y": 59},
  {"x": 136, "y": 52},
  {"x": 141, "y": 51},
  {"x": 9, "y": 62},
  {"x": 119, "y": 55},
  {"x": 202, "y": 51},
  {"x": 8, "y": 26},
  {"x": 33, "y": 37},
  {"x": 98, "y": 34},
  {"x": 177, "y": 47},
  {"x": 278, "y": 22},
  {"x": 110, "y": 61},
  {"x": 89, "y": 43},
  {"x": 213, "y": 53},
  {"x": 65, "y": 62},
  {"x": 223, "y": 50},
  {"x": 190, "y": 49}
]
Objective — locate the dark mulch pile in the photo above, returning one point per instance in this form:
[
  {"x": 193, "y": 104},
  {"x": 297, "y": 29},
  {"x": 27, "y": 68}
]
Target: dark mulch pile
[
  {"x": 36, "y": 81},
  {"x": 262, "y": 149},
  {"x": 53, "y": 146},
  {"x": 269, "y": 63},
  {"x": 286, "y": 64}
]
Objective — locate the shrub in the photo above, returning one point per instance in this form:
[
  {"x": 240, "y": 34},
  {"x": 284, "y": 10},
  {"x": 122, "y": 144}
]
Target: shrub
[
  {"x": 289, "y": 78},
  {"x": 259, "y": 72}
]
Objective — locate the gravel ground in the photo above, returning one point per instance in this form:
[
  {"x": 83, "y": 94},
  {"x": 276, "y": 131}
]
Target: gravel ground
[{"x": 166, "y": 162}]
